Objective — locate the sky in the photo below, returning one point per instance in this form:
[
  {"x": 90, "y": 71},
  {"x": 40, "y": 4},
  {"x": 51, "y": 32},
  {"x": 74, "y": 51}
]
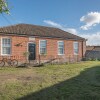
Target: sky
[{"x": 80, "y": 17}]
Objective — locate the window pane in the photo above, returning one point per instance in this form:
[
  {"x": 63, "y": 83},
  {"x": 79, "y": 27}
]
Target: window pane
[
  {"x": 75, "y": 45},
  {"x": 6, "y": 50},
  {"x": 6, "y": 42},
  {"x": 42, "y": 43},
  {"x": 61, "y": 51},
  {"x": 61, "y": 44},
  {"x": 42, "y": 50},
  {"x": 76, "y": 51}
]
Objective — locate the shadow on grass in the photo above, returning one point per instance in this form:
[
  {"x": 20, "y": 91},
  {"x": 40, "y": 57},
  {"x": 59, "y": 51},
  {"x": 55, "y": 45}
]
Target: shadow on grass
[{"x": 85, "y": 86}]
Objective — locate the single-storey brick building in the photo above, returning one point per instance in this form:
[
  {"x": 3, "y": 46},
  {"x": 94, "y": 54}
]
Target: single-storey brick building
[{"x": 41, "y": 42}]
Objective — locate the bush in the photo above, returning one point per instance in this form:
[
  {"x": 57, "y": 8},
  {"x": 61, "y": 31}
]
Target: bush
[
  {"x": 98, "y": 59},
  {"x": 92, "y": 59},
  {"x": 84, "y": 59}
]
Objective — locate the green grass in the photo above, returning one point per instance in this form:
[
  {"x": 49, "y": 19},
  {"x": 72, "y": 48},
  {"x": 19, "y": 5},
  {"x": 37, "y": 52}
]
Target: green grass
[{"x": 80, "y": 81}]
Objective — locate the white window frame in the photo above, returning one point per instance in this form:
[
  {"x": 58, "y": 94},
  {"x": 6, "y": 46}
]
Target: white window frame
[
  {"x": 39, "y": 46},
  {"x": 10, "y": 47},
  {"x": 58, "y": 48},
  {"x": 77, "y": 48}
]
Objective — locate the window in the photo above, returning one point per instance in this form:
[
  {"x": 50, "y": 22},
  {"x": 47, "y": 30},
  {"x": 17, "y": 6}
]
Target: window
[
  {"x": 6, "y": 46},
  {"x": 60, "y": 47},
  {"x": 76, "y": 47},
  {"x": 43, "y": 44}
]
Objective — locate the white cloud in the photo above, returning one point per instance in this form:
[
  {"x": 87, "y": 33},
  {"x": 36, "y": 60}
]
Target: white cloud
[
  {"x": 93, "y": 39},
  {"x": 91, "y": 19},
  {"x": 71, "y": 30},
  {"x": 53, "y": 24}
]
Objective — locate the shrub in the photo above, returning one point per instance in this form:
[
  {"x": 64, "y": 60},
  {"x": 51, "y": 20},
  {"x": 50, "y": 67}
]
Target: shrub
[
  {"x": 92, "y": 59},
  {"x": 84, "y": 59},
  {"x": 98, "y": 59}
]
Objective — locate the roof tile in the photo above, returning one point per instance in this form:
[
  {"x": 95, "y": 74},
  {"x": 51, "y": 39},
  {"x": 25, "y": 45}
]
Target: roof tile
[{"x": 28, "y": 29}]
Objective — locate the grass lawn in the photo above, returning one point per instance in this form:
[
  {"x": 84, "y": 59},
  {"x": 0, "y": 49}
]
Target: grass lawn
[{"x": 79, "y": 81}]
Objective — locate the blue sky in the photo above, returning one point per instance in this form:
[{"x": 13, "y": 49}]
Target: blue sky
[{"x": 81, "y": 17}]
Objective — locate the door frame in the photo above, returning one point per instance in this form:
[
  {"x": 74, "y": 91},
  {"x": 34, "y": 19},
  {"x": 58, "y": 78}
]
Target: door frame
[{"x": 28, "y": 48}]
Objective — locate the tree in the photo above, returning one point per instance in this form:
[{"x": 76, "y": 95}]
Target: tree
[{"x": 4, "y": 7}]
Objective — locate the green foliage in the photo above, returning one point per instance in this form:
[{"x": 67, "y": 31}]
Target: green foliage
[
  {"x": 4, "y": 7},
  {"x": 43, "y": 54},
  {"x": 84, "y": 59},
  {"x": 26, "y": 54},
  {"x": 98, "y": 59},
  {"x": 92, "y": 59}
]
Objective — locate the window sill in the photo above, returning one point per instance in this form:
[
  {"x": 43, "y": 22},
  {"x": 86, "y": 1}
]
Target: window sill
[
  {"x": 6, "y": 55},
  {"x": 43, "y": 54},
  {"x": 61, "y": 54},
  {"x": 76, "y": 54}
]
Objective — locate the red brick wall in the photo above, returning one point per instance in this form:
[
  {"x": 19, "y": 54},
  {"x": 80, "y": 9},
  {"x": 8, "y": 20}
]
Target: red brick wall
[
  {"x": 17, "y": 51},
  {"x": 52, "y": 48}
]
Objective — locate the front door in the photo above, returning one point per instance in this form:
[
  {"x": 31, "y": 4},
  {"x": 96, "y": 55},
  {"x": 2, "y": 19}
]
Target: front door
[{"x": 31, "y": 50}]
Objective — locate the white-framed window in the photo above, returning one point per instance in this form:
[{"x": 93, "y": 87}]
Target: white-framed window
[
  {"x": 76, "y": 48},
  {"x": 5, "y": 46},
  {"x": 60, "y": 47},
  {"x": 43, "y": 47}
]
